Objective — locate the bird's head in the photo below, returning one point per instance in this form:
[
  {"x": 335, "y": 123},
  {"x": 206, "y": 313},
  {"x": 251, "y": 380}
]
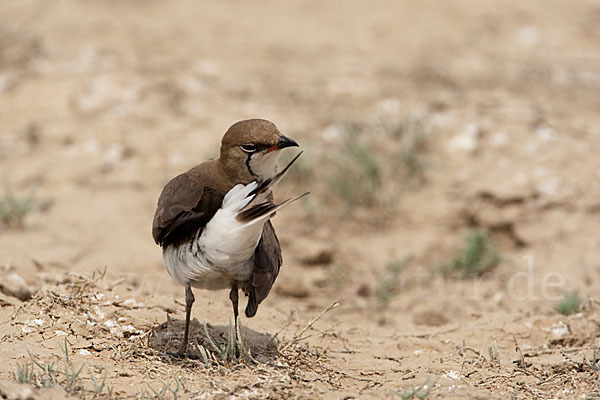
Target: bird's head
[{"x": 250, "y": 150}]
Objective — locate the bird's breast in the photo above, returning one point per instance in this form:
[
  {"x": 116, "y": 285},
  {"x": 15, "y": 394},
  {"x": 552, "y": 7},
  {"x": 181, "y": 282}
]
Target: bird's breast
[
  {"x": 191, "y": 263},
  {"x": 217, "y": 256}
]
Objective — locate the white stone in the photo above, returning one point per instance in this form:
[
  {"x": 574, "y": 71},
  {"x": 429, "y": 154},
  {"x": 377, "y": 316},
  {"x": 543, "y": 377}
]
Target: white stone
[{"x": 560, "y": 329}]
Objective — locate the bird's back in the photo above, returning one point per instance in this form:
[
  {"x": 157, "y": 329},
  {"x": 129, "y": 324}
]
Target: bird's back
[{"x": 188, "y": 202}]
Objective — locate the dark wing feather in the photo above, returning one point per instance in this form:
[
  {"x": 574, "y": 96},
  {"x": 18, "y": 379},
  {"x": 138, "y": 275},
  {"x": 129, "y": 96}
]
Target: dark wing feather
[
  {"x": 267, "y": 262},
  {"x": 184, "y": 205}
]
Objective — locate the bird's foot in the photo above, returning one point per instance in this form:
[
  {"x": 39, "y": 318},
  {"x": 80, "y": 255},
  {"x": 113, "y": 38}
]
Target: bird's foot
[
  {"x": 177, "y": 354},
  {"x": 183, "y": 353}
]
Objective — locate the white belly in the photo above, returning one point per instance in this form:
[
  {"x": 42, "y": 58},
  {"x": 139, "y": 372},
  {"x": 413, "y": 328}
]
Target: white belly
[{"x": 186, "y": 266}]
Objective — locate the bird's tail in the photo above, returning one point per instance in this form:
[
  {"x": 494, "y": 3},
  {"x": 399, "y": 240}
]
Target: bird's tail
[
  {"x": 251, "y": 203},
  {"x": 264, "y": 210}
]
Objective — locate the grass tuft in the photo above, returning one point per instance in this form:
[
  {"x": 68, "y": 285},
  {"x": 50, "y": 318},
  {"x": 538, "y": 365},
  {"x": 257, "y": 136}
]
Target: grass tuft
[
  {"x": 356, "y": 171},
  {"x": 363, "y": 164},
  {"x": 412, "y": 138},
  {"x": 234, "y": 350},
  {"x": 569, "y": 304},
  {"x": 477, "y": 257},
  {"x": 71, "y": 373},
  {"x": 388, "y": 282},
  {"x": 46, "y": 377},
  {"x": 14, "y": 209},
  {"x": 40, "y": 374},
  {"x": 163, "y": 391},
  {"x": 420, "y": 392},
  {"x": 25, "y": 373}
]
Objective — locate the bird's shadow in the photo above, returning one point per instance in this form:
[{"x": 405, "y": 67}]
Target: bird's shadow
[{"x": 167, "y": 337}]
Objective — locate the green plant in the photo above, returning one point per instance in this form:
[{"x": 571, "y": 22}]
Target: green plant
[
  {"x": 234, "y": 349},
  {"x": 476, "y": 258},
  {"x": 569, "y": 304},
  {"x": 410, "y": 133},
  {"x": 71, "y": 373},
  {"x": 593, "y": 363},
  {"x": 420, "y": 392},
  {"x": 98, "y": 387},
  {"x": 368, "y": 164},
  {"x": 46, "y": 377},
  {"x": 493, "y": 352},
  {"x": 13, "y": 209},
  {"x": 388, "y": 281},
  {"x": 162, "y": 392},
  {"x": 25, "y": 373},
  {"x": 356, "y": 169}
]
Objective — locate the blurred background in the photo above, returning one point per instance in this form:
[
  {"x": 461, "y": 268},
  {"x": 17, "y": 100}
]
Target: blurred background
[{"x": 446, "y": 145}]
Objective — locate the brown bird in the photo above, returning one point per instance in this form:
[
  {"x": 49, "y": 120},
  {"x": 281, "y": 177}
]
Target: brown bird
[{"x": 212, "y": 221}]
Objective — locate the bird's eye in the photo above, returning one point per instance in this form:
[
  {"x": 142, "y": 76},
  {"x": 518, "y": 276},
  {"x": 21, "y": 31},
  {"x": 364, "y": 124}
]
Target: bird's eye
[{"x": 248, "y": 148}]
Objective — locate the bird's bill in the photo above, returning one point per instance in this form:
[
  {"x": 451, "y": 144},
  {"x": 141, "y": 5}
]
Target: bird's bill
[{"x": 283, "y": 142}]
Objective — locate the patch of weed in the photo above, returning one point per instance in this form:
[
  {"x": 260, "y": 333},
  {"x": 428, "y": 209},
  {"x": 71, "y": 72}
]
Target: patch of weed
[
  {"x": 40, "y": 374},
  {"x": 420, "y": 392},
  {"x": 389, "y": 281},
  {"x": 71, "y": 373},
  {"x": 364, "y": 164},
  {"x": 356, "y": 169},
  {"x": 412, "y": 138},
  {"x": 477, "y": 257},
  {"x": 234, "y": 349},
  {"x": 569, "y": 304},
  {"x": 163, "y": 391},
  {"x": 25, "y": 373},
  {"x": 14, "y": 209}
]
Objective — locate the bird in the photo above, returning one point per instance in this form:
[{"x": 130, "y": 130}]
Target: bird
[{"x": 213, "y": 221}]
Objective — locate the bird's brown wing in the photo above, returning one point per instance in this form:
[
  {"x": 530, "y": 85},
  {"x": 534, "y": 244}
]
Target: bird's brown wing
[
  {"x": 267, "y": 261},
  {"x": 185, "y": 205}
]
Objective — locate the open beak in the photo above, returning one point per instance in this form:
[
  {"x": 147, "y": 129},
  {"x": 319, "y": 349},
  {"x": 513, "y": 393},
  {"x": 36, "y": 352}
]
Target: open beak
[{"x": 283, "y": 142}]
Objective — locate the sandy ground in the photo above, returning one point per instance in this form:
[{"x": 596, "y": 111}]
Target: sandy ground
[{"x": 101, "y": 102}]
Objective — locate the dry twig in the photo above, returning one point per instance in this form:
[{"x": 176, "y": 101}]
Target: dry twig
[{"x": 298, "y": 335}]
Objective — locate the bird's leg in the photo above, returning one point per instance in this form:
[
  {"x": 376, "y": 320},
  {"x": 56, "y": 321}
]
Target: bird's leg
[
  {"x": 189, "y": 300},
  {"x": 233, "y": 296}
]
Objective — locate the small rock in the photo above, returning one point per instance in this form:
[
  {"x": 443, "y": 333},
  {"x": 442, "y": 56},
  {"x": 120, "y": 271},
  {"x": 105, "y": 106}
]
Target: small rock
[
  {"x": 19, "y": 391},
  {"x": 467, "y": 140},
  {"x": 8, "y": 300},
  {"x": 389, "y": 106},
  {"x": 98, "y": 344},
  {"x": 111, "y": 323},
  {"x": 131, "y": 303},
  {"x": 312, "y": 252},
  {"x": 454, "y": 375},
  {"x": 297, "y": 290},
  {"x": 545, "y": 133},
  {"x": 430, "y": 318},
  {"x": 321, "y": 257},
  {"x": 499, "y": 139},
  {"x": 332, "y": 133},
  {"x": 528, "y": 36},
  {"x": 14, "y": 285},
  {"x": 363, "y": 290},
  {"x": 560, "y": 329},
  {"x": 16, "y": 391}
]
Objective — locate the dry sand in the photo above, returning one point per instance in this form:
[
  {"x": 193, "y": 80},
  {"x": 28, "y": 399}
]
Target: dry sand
[{"x": 101, "y": 102}]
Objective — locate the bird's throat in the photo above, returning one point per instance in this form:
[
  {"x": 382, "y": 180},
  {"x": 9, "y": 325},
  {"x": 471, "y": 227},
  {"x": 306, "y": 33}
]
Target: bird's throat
[{"x": 263, "y": 166}]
